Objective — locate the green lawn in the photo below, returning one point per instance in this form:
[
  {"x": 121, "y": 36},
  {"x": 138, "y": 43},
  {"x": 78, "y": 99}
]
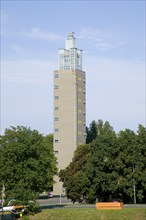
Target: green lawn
[{"x": 91, "y": 214}]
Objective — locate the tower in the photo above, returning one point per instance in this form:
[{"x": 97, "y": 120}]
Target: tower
[{"x": 69, "y": 105}]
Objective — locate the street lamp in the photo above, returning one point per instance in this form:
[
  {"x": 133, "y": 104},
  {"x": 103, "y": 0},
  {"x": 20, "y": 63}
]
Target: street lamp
[
  {"x": 134, "y": 191},
  {"x": 60, "y": 192}
]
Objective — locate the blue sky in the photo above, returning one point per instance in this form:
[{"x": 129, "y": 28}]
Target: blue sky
[{"x": 112, "y": 37}]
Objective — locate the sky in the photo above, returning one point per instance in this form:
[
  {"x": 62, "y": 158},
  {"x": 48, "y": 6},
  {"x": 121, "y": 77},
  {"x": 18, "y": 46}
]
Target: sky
[{"x": 112, "y": 37}]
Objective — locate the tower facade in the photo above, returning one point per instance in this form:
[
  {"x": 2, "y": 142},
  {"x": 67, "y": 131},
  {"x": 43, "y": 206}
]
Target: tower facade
[{"x": 69, "y": 106}]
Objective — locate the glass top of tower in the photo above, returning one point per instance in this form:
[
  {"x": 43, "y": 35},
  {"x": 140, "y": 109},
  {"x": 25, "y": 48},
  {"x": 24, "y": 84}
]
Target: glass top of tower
[{"x": 70, "y": 57}]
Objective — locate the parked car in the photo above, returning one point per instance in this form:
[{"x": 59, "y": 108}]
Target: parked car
[{"x": 50, "y": 194}]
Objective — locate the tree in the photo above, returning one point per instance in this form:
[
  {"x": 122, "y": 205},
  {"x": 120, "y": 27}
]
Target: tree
[
  {"x": 124, "y": 164},
  {"x": 91, "y": 171},
  {"x": 27, "y": 163},
  {"x": 140, "y": 165},
  {"x": 74, "y": 176},
  {"x": 110, "y": 166},
  {"x": 131, "y": 165},
  {"x": 118, "y": 165},
  {"x": 101, "y": 164},
  {"x": 91, "y": 132}
]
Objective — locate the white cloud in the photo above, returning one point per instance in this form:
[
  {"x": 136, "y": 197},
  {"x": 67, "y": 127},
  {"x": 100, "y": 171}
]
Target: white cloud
[
  {"x": 18, "y": 49},
  {"x": 90, "y": 34},
  {"x": 108, "y": 45},
  {"x": 33, "y": 33},
  {"x": 26, "y": 71},
  {"x": 37, "y": 33},
  {"x": 102, "y": 39}
]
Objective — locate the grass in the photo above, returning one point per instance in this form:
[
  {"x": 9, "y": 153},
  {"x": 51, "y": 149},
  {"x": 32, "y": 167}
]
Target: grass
[{"x": 91, "y": 214}]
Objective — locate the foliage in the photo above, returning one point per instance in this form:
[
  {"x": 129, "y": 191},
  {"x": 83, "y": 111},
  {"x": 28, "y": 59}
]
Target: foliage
[
  {"x": 110, "y": 167},
  {"x": 32, "y": 208},
  {"x": 140, "y": 165},
  {"x": 131, "y": 164},
  {"x": 27, "y": 163},
  {"x": 74, "y": 178},
  {"x": 100, "y": 168},
  {"x": 91, "y": 132}
]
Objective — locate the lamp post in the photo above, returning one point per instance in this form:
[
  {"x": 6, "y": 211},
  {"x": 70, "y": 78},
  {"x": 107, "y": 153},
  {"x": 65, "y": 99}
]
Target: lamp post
[
  {"x": 60, "y": 192},
  {"x": 3, "y": 194},
  {"x": 134, "y": 191}
]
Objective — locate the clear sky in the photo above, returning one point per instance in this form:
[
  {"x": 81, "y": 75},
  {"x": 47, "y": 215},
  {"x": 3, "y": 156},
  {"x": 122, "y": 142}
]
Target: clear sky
[{"x": 112, "y": 37}]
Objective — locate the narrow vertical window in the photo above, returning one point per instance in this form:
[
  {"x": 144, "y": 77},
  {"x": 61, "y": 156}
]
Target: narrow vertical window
[{"x": 56, "y": 75}]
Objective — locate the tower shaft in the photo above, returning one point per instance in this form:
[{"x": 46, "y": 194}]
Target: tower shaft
[{"x": 69, "y": 107}]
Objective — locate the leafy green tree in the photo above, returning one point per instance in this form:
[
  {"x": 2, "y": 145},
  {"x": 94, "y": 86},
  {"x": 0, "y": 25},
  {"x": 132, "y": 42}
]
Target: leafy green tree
[
  {"x": 118, "y": 164},
  {"x": 91, "y": 173},
  {"x": 131, "y": 165},
  {"x": 111, "y": 166},
  {"x": 124, "y": 164},
  {"x": 141, "y": 169},
  {"x": 91, "y": 132},
  {"x": 27, "y": 163},
  {"x": 74, "y": 176},
  {"x": 101, "y": 164}
]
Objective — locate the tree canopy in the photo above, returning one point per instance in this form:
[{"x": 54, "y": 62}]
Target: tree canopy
[
  {"x": 113, "y": 166},
  {"x": 74, "y": 177},
  {"x": 91, "y": 132},
  {"x": 27, "y": 163}
]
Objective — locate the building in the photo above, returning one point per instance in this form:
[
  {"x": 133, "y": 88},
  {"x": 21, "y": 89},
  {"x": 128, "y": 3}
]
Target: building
[{"x": 69, "y": 106}]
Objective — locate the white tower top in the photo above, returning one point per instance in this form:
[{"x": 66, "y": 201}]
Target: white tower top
[
  {"x": 70, "y": 41},
  {"x": 70, "y": 57}
]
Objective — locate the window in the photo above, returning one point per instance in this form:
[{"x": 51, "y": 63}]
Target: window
[
  {"x": 56, "y": 87},
  {"x": 56, "y": 119},
  {"x": 56, "y": 75},
  {"x": 56, "y": 140},
  {"x": 56, "y": 108},
  {"x": 56, "y": 97},
  {"x": 56, "y": 151},
  {"x": 56, "y": 130}
]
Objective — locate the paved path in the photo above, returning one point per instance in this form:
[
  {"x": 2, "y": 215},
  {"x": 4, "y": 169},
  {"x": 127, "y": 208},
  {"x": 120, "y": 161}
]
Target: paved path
[{"x": 63, "y": 202}]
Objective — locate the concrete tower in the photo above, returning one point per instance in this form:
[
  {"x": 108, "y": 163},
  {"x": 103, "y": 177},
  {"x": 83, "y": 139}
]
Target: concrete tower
[{"x": 69, "y": 106}]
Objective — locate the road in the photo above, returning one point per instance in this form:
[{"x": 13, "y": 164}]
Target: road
[
  {"x": 63, "y": 202},
  {"x": 54, "y": 200}
]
